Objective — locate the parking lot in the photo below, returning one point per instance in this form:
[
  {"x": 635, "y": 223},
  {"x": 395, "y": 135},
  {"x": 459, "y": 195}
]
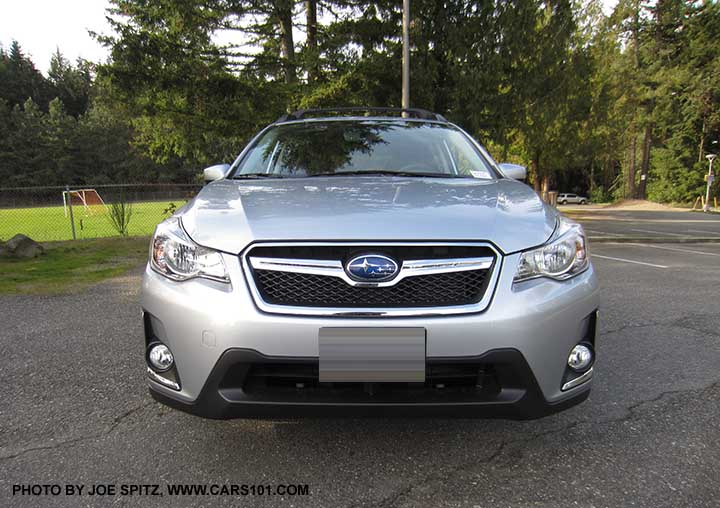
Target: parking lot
[
  {"x": 75, "y": 410},
  {"x": 609, "y": 223}
]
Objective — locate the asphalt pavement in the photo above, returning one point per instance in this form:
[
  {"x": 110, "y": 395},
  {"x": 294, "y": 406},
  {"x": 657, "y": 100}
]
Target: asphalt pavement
[
  {"x": 617, "y": 224},
  {"x": 74, "y": 409}
]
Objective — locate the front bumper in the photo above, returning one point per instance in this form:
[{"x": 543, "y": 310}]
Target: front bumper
[
  {"x": 214, "y": 329},
  {"x": 233, "y": 391}
]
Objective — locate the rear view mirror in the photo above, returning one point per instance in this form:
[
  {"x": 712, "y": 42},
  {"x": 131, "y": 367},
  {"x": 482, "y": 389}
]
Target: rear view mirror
[
  {"x": 514, "y": 171},
  {"x": 216, "y": 172}
]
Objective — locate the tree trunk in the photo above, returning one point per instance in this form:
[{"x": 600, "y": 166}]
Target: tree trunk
[
  {"x": 441, "y": 57},
  {"x": 607, "y": 175},
  {"x": 701, "y": 153},
  {"x": 634, "y": 29},
  {"x": 647, "y": 142},
  {"x": 284, "y": 11},
  {"x": 311, "y": 13},
  {"x": 631, "y": 169},
  {"x": 535, "y": 166},
  {"x": 634, "y": 35}
]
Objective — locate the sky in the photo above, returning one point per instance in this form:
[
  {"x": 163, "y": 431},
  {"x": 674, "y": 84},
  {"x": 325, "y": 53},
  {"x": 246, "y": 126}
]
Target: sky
[{"x": 41, "y": 26}]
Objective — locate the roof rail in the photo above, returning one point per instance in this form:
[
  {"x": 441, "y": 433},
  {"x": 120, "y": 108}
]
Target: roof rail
[{"x": 422, "y": 114}]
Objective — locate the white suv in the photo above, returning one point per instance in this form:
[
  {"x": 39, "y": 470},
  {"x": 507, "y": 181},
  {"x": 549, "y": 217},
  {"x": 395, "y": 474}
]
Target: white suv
[{"x": 564, "y": 199}]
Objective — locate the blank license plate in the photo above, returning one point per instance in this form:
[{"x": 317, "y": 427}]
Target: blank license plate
[{"x": 372, "y": 355}]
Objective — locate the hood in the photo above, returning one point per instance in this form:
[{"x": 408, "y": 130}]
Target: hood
[{"x": 228, "y": 215}]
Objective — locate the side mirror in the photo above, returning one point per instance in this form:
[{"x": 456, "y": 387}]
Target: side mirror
[
  {"x": 216, "y": 172},
  {"x": 514, "y": 171}
]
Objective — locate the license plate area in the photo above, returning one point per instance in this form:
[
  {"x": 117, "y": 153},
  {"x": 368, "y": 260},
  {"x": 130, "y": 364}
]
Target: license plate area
[{"x": 371, "y": 355}]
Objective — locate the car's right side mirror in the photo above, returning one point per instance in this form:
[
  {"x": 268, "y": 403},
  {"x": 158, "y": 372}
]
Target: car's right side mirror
[
  {"x": 514, "y": 171},
  {"x": 216, "y": 172}
]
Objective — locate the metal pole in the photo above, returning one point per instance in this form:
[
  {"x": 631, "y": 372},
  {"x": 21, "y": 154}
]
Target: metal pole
[
  {"x": 69, "y": 202},
  {"x": 406, "y": 55},
  {"x": 711, "y": 158}
]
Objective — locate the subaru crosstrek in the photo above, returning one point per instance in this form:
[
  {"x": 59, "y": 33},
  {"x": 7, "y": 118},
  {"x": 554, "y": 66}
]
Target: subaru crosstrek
[{"x": 369, "y": 262}]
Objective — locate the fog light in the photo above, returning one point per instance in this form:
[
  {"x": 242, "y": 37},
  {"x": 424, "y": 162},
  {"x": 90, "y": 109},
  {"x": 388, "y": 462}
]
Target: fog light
[
  {"x": 160, "y": 357},
  {"x": 581, "y": 358}
]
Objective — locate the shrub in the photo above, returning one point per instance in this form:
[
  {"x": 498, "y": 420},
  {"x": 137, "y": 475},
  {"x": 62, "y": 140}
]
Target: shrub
[
  {"x": 120, "y": 214},
  {"x": 673, "y": 181},
  {"x": 598, "y": 195}
]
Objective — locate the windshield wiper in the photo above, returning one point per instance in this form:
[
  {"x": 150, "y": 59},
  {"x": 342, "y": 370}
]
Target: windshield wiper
[
  {"x": 388, "y": 173},
  {"x": 253, "y": 176}
]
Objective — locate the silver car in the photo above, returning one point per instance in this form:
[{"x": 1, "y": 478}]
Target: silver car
[{"x": 368, "y": 263}]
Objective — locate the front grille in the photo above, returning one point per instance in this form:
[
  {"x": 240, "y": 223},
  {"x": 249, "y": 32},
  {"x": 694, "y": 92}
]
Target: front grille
[
  {"x": 308, "y": 290},
  {"x": 309, "y": 278}
]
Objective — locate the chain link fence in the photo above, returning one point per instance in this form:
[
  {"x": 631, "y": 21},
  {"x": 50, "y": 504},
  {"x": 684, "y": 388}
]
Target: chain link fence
[{"x": 66, "y": 213}]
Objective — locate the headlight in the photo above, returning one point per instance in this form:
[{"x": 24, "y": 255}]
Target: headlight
[
  {"x": 174, "y": 255},
  {"x": 564, "y": 256}
]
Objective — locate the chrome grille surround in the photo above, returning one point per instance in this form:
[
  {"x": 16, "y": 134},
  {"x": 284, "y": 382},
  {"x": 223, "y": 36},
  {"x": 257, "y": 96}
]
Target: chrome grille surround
[{"x": 335, "y": 268}]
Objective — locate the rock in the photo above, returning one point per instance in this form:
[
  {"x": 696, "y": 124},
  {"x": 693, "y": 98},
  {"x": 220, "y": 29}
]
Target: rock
[
  {"x": 22, "y": 246},
  {"x": 4, "y": 251}
]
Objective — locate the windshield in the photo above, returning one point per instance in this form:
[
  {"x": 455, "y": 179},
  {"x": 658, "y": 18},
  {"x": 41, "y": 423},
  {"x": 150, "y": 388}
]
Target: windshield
[{"x": 329, "y": 148}]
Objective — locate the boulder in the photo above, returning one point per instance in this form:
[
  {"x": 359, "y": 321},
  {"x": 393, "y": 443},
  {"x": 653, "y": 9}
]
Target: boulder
[
  {"x": 4, "y": 251},
  {"x": 22, "y": 246}
]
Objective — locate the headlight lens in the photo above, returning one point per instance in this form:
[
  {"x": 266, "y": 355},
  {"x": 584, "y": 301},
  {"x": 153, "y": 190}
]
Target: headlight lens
[
  {"x": 564, "y": 256},
  {"x": 174, "y": 255}
]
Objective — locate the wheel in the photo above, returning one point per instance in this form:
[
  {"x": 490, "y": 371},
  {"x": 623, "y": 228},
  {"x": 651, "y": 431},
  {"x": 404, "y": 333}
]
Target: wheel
[
  {"x": 583, "y": 202},
  {"x": 563, "y": 202}
]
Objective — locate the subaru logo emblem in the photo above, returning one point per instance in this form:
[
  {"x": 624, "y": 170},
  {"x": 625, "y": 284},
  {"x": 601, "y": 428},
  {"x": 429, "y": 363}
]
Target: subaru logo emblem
[{"x": 371, "y": 268}]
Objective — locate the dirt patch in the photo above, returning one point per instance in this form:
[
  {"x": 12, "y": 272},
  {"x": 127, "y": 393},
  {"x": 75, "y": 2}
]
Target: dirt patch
[{"x": 643, "y": 205}]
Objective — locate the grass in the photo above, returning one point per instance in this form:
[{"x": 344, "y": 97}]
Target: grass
[
  {"x": 71, "y": 266},
  {"x": 46, "y": 224}
]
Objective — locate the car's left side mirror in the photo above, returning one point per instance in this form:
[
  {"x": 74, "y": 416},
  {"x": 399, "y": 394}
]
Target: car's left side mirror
[
  {"x": 514, "y": 171},
  {"x": 216, "y": 172}
]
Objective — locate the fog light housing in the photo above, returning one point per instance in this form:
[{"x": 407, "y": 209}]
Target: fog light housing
[
  {"x": 160, "y": 357},
  {"x": 581, "y": 358}
]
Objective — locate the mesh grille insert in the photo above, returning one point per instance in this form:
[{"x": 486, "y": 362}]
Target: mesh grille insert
[{"x": 435, "y": 290}]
